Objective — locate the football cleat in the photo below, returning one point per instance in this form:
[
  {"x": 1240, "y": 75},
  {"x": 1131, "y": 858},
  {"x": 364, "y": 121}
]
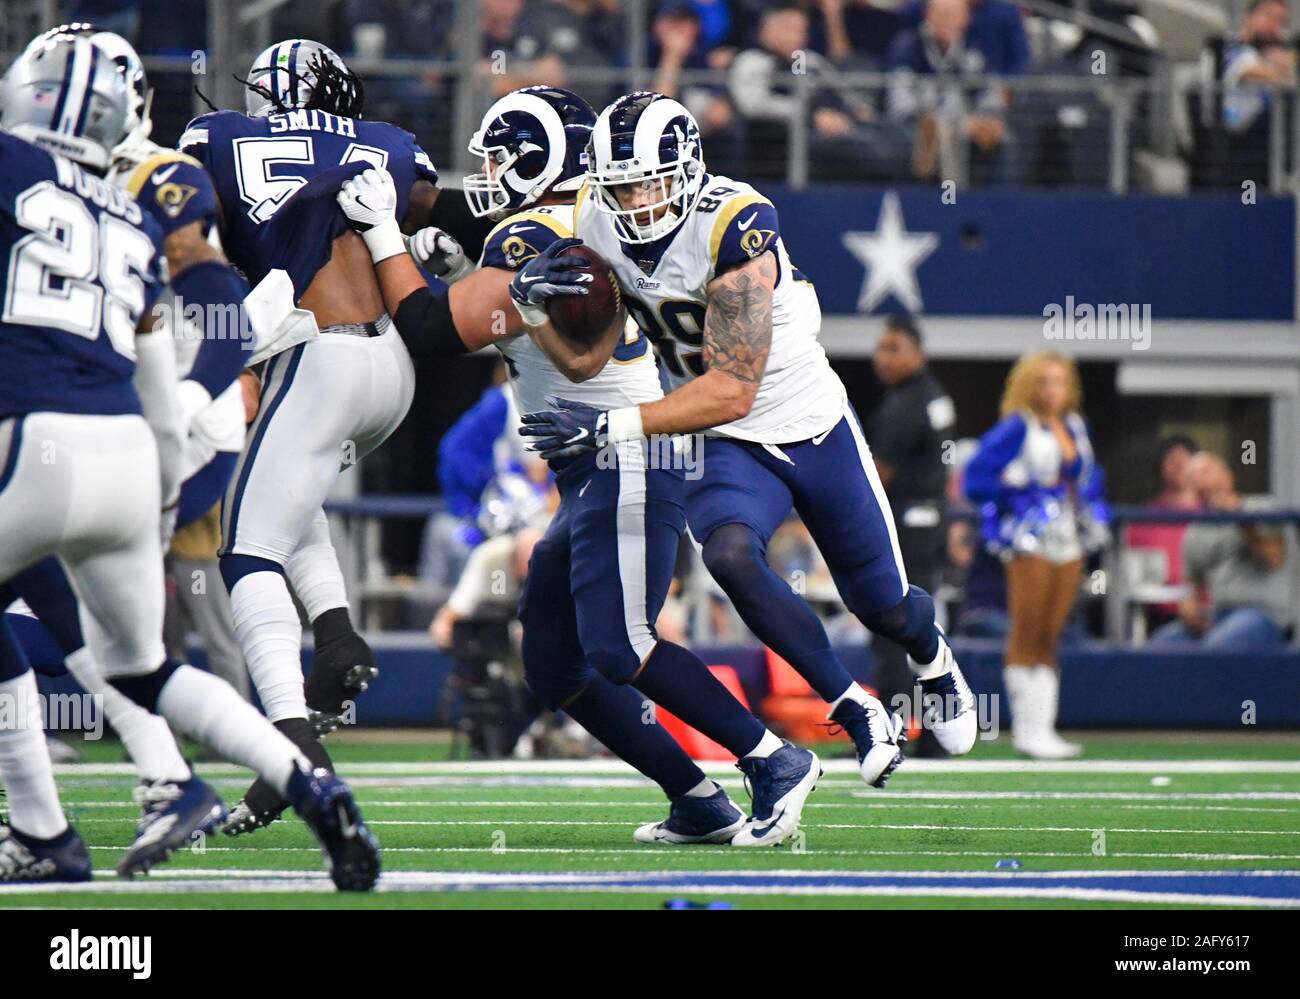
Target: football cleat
[
  {"x": 26, "y": 859},
  {"x": 175, "y": 813},
  {"x": 326, "y": 804},
  {"x": 779, "y": 785},
  {"x": 693, "y": 819},
  {"x": 342, "y": 669},
  {"x": 876, "y": 734},
  {"x": 261, "y": 804},
  {"x": 948, "y": 707}
]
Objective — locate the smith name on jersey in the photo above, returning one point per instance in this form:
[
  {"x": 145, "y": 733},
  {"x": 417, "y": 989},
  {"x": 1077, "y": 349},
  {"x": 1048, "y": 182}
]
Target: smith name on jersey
[
  {"x": 665, "y": 288},
  {"x": 630, "y": 378},
  {"x": 259, "y": 164},
  {"x": 81, "y": 267}
]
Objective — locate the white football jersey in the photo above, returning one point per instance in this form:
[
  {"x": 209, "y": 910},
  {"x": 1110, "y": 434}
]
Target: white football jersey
[
  {"x": 630, "y": 378},
  {"x": 665, "y": 288}
]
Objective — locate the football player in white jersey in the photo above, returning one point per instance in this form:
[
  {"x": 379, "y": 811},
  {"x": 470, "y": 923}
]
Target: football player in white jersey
[
  {"x": 706, "y": 274},
  {"x": 597, "y": 579}
]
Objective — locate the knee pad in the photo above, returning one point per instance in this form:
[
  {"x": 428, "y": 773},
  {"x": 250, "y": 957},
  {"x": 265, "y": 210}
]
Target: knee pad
[
  {"x": 731, "y": 552},
  {"x": 910, "y": 623},
  {"x": 146, "y": 688}
]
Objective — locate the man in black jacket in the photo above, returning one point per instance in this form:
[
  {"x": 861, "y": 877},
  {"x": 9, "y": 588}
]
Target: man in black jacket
[{"x": 907, "y": 432}]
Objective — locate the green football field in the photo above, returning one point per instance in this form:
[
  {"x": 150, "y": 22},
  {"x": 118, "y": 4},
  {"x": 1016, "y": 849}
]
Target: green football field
[{"x": 1146, "y": 819}]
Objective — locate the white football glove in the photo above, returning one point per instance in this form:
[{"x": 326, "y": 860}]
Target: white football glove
[
  {"x": 369, "y": 200},
  {"x": 440, "y": 255}
]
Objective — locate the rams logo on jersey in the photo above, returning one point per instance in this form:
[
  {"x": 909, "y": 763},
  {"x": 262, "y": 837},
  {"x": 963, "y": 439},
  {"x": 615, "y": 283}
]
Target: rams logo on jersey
[
  {"x": 755, "y": 241},
  {"x": 516, "y": 251},
  {"x": 172, "y": 197}
]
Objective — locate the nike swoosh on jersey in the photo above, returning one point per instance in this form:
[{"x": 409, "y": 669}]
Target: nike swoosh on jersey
[
  {"x": 742, "y": 226},
  {"x": 520, "y": 228},
  {"x": 163, "y": 176}
]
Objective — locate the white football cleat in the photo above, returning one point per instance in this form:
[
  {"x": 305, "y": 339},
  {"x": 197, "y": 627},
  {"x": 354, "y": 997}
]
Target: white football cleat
[
  {"x": 948, "y": 706},
  {"x": 876, "y": 734}
]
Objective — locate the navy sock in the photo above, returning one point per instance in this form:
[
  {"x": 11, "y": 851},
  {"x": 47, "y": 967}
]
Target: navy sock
[
  {"x": 779, "y": 617},
  {"x": 679, "y": 680},
  {"x": 616, "y": 715}
]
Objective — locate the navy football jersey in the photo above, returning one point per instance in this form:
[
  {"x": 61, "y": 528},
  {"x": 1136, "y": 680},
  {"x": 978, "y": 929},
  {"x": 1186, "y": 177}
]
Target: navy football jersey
[
  {"x": 173, "y": 188},
  {"x": 80, "y": 265},
  {"x": 260, "y": 164}
]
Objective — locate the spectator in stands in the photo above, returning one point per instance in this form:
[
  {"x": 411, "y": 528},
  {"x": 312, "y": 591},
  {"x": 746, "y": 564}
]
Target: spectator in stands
[
  {"x": 1247, "y": 570},
  {"x": 1043, "y": 507},
  {"x": 906, "y": 433},
  {"x": 1176, "y": 493},
  {"x": 951, "y": 116},
  {"x": 678, "y": 44},
  {"x": 845, "y": 138},
  {"x": 996, "y": 31},
  {"x": 1260, "y": 56}
]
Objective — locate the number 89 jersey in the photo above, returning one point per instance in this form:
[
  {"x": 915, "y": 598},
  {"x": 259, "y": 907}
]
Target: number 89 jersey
[{"x": 665, "y": 288}]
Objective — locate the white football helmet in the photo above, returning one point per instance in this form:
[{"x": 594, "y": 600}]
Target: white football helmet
[
  {"x": 282, "y": 71},
  {"x": 650, "y": 139},
  {"x": 120, "y": 52}
]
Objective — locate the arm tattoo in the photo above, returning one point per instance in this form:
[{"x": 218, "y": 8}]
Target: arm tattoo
[{"x": 738, "y": 323}]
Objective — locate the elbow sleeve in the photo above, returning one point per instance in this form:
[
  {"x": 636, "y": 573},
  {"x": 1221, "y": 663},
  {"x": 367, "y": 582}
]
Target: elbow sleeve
[{"x": 425, "y": 325}]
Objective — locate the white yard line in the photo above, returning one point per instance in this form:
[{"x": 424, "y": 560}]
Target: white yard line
[{"x": 832, "y": 767}]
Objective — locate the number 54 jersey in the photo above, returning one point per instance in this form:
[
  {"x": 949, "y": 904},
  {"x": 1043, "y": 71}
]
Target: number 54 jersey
[
  {"x": 258, "y": 164},
  {"x": 665, "y": 288}
]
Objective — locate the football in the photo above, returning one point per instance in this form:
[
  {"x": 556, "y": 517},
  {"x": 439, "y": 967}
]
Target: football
[{"x": 583, "y": 318}]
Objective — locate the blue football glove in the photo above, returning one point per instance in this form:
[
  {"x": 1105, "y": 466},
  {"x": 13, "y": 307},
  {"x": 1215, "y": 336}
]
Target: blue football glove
[
  {"x": 548, "y": 274},
  {"x": 567, "y": 430}
]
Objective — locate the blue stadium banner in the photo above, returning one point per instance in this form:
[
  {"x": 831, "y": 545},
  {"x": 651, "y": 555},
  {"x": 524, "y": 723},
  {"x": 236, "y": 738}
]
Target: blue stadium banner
[{"x": 878, "y": 250}]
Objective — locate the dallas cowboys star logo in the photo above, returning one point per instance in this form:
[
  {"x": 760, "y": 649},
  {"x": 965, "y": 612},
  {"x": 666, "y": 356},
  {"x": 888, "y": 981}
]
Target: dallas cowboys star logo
[{"x": 891, "y": 256}]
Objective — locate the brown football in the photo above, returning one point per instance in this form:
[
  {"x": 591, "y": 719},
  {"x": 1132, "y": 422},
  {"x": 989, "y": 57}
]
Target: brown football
[{"x": 583, "y": 318}]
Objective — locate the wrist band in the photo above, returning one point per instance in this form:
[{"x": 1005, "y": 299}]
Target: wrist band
[
  {"x": 624, "y": 424},
  {"x": 384, "y": 241}
]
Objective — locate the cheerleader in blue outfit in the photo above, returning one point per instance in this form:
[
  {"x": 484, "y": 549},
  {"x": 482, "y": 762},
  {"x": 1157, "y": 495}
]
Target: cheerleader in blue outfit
[{"x": 1041, "y": 496}]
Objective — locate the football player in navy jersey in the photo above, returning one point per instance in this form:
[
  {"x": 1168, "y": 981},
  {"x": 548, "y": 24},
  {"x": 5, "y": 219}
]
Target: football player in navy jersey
[
  {"x": 326, "y": 403},
  {"x": 196, "y": 452},
  {"x": 79, "y": 471},
  {"x": 598, "y": 578}
]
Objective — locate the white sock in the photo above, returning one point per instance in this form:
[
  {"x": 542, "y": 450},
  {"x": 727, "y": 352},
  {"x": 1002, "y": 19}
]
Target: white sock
[
  {"x": 1048, "y": 683},
  {"x": 855, "y": 693},
  {"x": 767, "y": 745},
  {"x": 937, "y": 667},
  {"x": 25, "y": 766},
  {"x": 270, "y": 635},
  {"x": 147, "y": 738},
  {"x": 1020, "y": 691},
  {"x": 207, "y": 708},
  {"x": 704, "y": 789},
  {"x": 317, "y": 579}
]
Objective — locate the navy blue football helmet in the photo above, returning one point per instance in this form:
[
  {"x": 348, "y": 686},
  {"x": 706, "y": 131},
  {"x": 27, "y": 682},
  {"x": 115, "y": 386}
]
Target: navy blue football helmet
[{"x": 532, "y": 141}]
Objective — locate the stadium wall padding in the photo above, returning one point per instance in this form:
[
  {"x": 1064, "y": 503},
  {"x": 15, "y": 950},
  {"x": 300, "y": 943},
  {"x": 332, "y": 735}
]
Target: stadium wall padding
[{"x": 1201, "y": 256}]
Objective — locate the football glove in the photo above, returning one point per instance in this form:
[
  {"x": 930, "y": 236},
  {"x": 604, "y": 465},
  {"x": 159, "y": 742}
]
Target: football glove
[
  {"x": 565, "y": 431},
  {"x": 440, "y": 255},
  {"x": 548, "y": 274},
  {"x": 369, "y": 200}
]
